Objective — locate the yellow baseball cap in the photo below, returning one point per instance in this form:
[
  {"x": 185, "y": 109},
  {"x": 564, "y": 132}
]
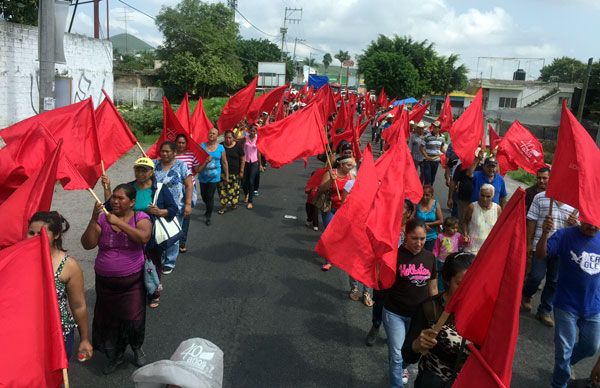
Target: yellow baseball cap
[{"x": 144, "y": 162}]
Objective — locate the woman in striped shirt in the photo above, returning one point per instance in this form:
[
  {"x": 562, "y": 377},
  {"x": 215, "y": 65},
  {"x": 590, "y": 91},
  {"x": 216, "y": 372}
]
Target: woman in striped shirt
[{"x": 188, "y": 157}]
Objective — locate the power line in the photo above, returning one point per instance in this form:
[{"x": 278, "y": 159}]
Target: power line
[
  {"x": 142, "y": 12},
  {"x": 256, "y": 28},
  {"x": 303, "y": 43}
]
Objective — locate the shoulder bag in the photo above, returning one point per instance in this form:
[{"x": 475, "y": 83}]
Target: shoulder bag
[{"x": 165, "y": 233}]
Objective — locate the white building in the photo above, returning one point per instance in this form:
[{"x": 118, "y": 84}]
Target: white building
[{"x": 88, "y": 70}]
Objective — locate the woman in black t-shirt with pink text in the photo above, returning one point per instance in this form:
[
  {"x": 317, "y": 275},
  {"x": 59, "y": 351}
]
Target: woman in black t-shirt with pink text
[{"x": 415, "y": 282}]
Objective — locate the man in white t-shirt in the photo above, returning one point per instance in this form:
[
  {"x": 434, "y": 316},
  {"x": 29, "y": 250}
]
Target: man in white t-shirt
[{"x": 563, "y": 216}]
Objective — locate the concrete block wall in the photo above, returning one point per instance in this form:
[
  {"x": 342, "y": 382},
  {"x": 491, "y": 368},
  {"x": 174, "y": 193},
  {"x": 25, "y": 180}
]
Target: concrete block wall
[{"x": 88, "y": 69}]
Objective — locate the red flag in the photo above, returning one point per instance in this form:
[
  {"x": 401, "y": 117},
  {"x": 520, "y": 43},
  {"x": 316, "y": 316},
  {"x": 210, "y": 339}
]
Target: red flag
[
  {"x": 315, "y": 180},
  {"x": 356, "y": 143},
  {"x": 494, "y": 137},
  {"x": 446, "y": 117},
  {"x": 76, "y": 125},
  {"x": 362, "y": 126},
  {"x": 114, "y": 136},
  {"x": 519, "y": 148},
  {"x": 327, "y": 101},
  {"x": 382, "y": 100},
  {"x": 297, "y": 136},
  {"x": 384, "y": 222},
  {"x": 200, "y": 124},
  {"x": 340, "y": 124},
  {"x": 265, "y": 103},
  {"x": 467, "y": 131},
  {"x": 280, "y": 113},
  {"x": 183, "y": 113},
  {"x": 171, "y": 129},
  {"x": 33, "y": 350},
  {"x": 486, "y": 305},
  {"x": 345, "y": 242},
  {"x": 417, "y": 113},
  {"x": 574, "y": 179},
  {"x": 236, "y": 108},
  {"x": 34, "y": 195}
]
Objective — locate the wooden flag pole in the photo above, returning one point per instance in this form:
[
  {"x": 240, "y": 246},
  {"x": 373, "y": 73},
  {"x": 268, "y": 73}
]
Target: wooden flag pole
[
  {"x": 103, "y": 169},
  {"x": 141, "y": 149},
  {"x": 327, "y": 153},
  {"x": 551, "y": 206},
  {"x": 65, "y": 378},
  {"x": 97, "y": 199}
]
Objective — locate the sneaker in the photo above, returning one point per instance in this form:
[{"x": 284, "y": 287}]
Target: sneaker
[
  {"x": 546, "y": 319},
  {"x": 139, "y": 357},
  {"x": 372, "y": 336},
  {"x": 316, "y": 228},
  {"x": 354, "y": 294},
  {"x": 405, "y": 376},
  {"x": 526, "y": 303},
  {"x": 367, "y": 300},
  {"x": 167, "y": 270}
]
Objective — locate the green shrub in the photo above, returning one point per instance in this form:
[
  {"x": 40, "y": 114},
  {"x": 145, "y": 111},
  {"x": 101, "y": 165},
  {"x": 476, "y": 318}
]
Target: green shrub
[{"x": 522, "y": 176}]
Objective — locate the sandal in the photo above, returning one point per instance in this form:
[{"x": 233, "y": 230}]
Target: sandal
[
  {"x": 222, "y": 211},
  {"x": 154, "y": 303},
  {"x": 250, "y": 206},
  {"x": 325, "y": 267}
]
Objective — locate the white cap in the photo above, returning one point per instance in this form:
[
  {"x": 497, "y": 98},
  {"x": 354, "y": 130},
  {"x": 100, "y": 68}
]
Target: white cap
[{"x": 421, "y": 124}]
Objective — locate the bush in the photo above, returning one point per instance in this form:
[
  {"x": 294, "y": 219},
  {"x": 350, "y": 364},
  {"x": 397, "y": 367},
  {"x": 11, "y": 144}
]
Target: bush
[
  {"x": 147, "y": 122},
  {"x": 522, "y": 176}
]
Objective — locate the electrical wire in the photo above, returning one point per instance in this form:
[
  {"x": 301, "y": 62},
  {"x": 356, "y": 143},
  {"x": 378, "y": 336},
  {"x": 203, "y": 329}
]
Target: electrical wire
[{"x": 256, "y": 28}]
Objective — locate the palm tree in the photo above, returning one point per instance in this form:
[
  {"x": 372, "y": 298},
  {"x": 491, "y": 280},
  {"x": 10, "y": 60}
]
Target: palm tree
[
  {"x": 309, "y": 62},
  {"x": 327, "y": 60},
  {"x": 341, "y": 56}
]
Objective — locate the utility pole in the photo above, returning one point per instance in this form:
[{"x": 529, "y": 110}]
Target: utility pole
[
  {"x": 585, "y": 88},
  {"x": 232, "y": 4},
  {"x": 46, "y": 54},
  {"x": 96, "y": 19},
  {"x": 290, "y": 15}
]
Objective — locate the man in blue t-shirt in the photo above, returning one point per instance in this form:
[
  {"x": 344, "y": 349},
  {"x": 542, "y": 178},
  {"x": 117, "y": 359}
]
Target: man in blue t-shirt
[
  {"x": 577, "y": 298},
  {"x": 490, "y": 175}
]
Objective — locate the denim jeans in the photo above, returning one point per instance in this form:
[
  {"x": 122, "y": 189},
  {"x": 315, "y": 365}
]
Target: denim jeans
[
  {"x": 185, "y": 226},
  {"x": 429, "y": 168},
  {"x": 396, "y": 327},
  {"x": 327, "y": 217},
  {"x": 567, "y": 352},
  {"x": 548, "y": 266},
  {"x": 358, "y": 285},
  {"x": 173, "y": 251}
]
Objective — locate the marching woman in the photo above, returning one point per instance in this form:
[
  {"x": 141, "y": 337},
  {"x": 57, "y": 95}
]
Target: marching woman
[
  {"x": 68, "y": 279},
  {"x": 210, "y": 173},
  {"x": 229, "y": 190},
  {"x": 187, "y": 157},
  {"x": 120, "y": 310}
]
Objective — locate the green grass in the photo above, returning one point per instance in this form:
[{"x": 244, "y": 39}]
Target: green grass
[{"x": 522, "y": 176}]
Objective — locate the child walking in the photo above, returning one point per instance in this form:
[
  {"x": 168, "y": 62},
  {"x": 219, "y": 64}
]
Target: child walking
[{"x": 447, "y": 242}]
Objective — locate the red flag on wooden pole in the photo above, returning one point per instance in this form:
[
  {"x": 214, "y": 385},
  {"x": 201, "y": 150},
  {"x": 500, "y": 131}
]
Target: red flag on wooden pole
[
  {"x": 574, "y": 179},
  {"x": 486, "y": 305},
  {"x": 183, "y": 112},
  {"x": 200, "y": 123},
  {"x": 236, "y": 107},
  {"x": 33, "y": 350},
  {"x": 467, "y": 131},
  {"x": 519, "y": 148},
  {"x": 446, "y": 117}
]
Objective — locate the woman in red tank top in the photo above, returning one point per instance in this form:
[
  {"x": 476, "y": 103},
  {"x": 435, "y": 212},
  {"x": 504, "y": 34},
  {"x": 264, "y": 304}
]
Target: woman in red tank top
[{"x": 334, "y": 181}]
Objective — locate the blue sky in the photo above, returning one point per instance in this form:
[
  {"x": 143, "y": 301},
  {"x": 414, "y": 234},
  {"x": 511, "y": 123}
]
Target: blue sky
[{"x": 515, "y": 29}]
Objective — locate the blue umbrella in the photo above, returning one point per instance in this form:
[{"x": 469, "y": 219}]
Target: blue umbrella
[{"x": 409, "y": 100}]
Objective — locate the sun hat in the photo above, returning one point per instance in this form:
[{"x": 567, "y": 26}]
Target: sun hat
[{"x": 197, "y": 363}]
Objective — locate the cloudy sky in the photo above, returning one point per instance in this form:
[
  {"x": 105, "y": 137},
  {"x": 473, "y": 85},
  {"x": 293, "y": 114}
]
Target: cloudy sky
[{"x": 532, "y": 30}]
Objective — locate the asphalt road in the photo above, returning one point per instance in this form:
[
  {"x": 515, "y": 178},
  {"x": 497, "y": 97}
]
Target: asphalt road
[{"x": 251, "y": 283}]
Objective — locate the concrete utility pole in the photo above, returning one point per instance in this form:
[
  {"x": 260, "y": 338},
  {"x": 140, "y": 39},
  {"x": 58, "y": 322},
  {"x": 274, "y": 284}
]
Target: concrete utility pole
[
  {"x": 46, "y": 52},
  {"x": 585, "y": 88},
  {"x": 232, "y": 4},
  {"x": 288, "y": 16}
]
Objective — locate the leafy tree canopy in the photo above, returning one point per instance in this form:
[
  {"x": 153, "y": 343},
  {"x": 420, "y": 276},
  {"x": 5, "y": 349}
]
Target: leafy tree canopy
[
  {"x": 252, "y": 51},
  {"x": 429, "y": 72},
  {"x": 563, "y": 69},
  {"x": 21, "y": 11},
  {"x": 327, "y": 60}
]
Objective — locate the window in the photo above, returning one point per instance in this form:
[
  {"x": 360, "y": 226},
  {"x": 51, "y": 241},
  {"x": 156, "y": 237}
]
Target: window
[{"x": 507, "y": 102}]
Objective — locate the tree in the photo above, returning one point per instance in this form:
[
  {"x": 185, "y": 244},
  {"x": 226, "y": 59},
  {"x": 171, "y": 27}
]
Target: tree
[
  {"x": 252, "y": 51},
  {"x": 130, "y": 62},
  {"x": 341, "y": 56},
  {"x": 393, "y": 71},
  {"x": 434, "y": 73},
  {"x": 327, "y": 61},
  {"x": 22, "y": 11},
  {"x": 309, "y": 62},
  {"x": 200, "y": 46},
  {"x": 563, "y": 69}
]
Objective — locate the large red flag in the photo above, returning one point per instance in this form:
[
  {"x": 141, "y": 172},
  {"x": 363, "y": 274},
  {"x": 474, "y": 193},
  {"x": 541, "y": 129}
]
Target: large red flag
[
  {"x": 171, "y": 129},
  {"x": 486, "y": 305},
  {"x": 183, "y": 112},
  {"x": 33, "y": 350},
  {"x": 382, "y": 100},
  {"x": 446, "y": 117},
  {"x": 327, "y": 101},
  {"x": 76, "y": 125},
  {"x": 25, "y": 151},
  {"x": 384, "y": 222},
  {"x": 265, "y": 103},
  {"x": 345, "y": 242},
  {"x": 200, "y": 123},
  {"x": 114, "y": 136},
  {"x": 417, "y": 113},
  {"x": 574, "y": 179},
  {"x": 296, "y": 136},
  {"x": 519, "y": 148},
  {"x": 467, "y": 131},
  {"x": 34, "y": 195},
  {"x": 236, "y": 108},
  {"x": 494, "y": 137},
  {"x": 340, "y": 124}
]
